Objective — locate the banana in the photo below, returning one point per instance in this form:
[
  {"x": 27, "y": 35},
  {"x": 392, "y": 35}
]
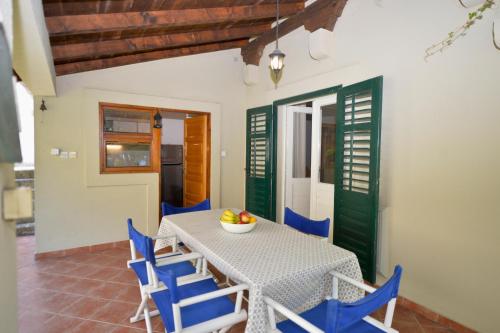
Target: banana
[
  {"x": 227, "y": 218},
  {"x": 228, "y": 213}
]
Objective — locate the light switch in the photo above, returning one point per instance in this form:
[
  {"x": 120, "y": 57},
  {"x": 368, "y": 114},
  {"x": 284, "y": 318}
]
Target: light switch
[
  {"x": 223, "y": 153},
  {"x": 72, "y": 154},
  {"x": 17, "y": 203},
  {"x": 64, "y": 155},
  {"x": 55, "y": 151}
]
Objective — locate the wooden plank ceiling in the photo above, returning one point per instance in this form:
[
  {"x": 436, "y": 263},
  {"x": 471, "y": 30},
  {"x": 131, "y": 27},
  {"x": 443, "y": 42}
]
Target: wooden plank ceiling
[{"x": 95, "y": 34}]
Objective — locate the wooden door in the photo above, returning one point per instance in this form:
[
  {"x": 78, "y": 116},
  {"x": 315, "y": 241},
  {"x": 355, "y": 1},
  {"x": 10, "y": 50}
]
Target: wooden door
[
  {"x": 195, "y": 160},
  {"x": 357, "y": 172}
]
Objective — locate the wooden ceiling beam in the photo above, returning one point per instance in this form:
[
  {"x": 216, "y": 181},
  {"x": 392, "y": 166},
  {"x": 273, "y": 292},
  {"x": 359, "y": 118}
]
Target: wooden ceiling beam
[
  {"x": 133, "y": 33},
  {"x": 84, "y": 7},
  {"x": 78, "y": 24},
  {"x": 320, "y": 14},
  {"x": 102, "y": 49},
  {"x": 76, "y": 67}
]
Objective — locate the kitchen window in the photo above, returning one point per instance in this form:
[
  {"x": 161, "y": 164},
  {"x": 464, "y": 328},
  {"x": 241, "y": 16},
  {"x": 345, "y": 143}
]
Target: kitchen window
[{"x": 128, "y": 139}]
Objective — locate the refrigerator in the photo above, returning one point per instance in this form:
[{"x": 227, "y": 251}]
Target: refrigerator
[{"x": 172, "y": 157}]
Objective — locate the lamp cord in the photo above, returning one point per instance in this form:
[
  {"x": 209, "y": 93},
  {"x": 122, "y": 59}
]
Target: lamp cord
[{"x": 277, "y": 22}]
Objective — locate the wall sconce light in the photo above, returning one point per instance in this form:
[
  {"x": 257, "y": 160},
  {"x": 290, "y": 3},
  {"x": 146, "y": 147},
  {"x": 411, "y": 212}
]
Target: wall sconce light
[
  {"x": 42, "y": 106},
  {"x": 157, "y": 119}
]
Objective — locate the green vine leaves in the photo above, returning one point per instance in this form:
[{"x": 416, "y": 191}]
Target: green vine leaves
[{"x": 461, "y": 31}]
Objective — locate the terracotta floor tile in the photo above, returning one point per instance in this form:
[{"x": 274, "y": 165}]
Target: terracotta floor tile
[
  {"x": 108, "y": 290},
  {"x": 104, "y": 273},
  {"x": 436, "y": 329},
  {"x": 404, "y": 315},
  {"x": 36, "y": 299},
  {"x": 128, "y": 330},
  {"x": 60, "y": 323},
  {"x": 88, "y": 326},
  {"x": 63, "y": 283},
  {"x": 87, "y": 287},
  {"x": 116, "y": 313},
  {"x": 94, "y": 292},
  {"x": 126, "y": 276},
  {"x": 85, "y": 307},
  {"x": 60, "y": 302},
  {"x": 30, "y": 321},
  {"x": 129, "y": 293},
  {"x": 405, "y": 327},
  {"x": 82, "y": 270}
]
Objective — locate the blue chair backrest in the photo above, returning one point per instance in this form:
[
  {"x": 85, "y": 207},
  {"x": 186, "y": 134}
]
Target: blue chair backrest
[
  {"x": 342, "y": 315},
  {"x": 143, "y": 244},
  {"x": 168, "y": 209},
  {"x": 301, "y": 223}
]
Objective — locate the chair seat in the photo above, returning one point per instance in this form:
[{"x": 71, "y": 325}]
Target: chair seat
[
  {"x": 317, "y": 317},
  {"x": 180, "y": 269},
  {"x": 196, "y": 313}
]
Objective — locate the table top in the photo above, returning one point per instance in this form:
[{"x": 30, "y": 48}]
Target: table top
[{"x": 268, "y": 253}]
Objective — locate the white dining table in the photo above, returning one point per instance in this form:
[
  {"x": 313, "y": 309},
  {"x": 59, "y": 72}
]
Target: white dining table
[{"x": 274, "y": 260}]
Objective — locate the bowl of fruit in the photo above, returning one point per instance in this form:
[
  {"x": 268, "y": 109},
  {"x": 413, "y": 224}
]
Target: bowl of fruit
[{"x": 237, "y": 223}]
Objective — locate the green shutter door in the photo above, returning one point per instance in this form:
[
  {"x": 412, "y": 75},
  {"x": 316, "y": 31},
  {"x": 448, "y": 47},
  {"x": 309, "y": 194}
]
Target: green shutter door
[
  {"x": 259, "y": 196},
  {"x": 357, "y": 172}
]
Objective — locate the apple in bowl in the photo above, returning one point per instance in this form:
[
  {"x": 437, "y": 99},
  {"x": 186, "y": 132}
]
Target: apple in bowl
[{"x": 237, "y": 223}]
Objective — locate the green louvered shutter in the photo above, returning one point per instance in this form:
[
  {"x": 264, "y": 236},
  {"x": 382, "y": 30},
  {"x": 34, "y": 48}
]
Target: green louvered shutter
[
  {"x": 357, "y": 172},
  {"x": 259, "y": 196}
]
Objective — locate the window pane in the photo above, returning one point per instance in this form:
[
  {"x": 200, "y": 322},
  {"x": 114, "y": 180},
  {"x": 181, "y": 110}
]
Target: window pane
[
  {"x": 128, "y": 155},
  {"x": 127, "y": 121},
  {"x": 327, "y": 162},
  {"x": 302, "y": 133}
]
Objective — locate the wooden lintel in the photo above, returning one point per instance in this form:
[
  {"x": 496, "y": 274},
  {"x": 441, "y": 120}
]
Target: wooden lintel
[
  {"x": 76, "y": 67},
  {"x": 79, "y": 24},
  {"x": 102, "y": 49},
  {"x": 320, "y": 14}
]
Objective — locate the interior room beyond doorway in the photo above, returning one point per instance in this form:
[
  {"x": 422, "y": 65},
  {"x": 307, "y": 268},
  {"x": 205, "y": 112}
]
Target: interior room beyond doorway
[{"x": 185, "y": 157}]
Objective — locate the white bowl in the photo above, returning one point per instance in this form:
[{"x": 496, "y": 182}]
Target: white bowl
[{"x": 238, "y": 228}]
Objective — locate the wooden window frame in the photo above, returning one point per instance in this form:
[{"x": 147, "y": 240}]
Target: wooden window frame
[{"x": 153, "y": 139}]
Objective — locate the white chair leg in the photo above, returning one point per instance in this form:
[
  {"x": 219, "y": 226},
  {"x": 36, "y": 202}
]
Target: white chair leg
[
  {"x": 139, "y": 313},
  {"x": 225, "y": 329},
  {"x": 147, "y": 318}
]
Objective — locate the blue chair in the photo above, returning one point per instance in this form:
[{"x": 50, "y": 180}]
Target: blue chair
[
  {"x": 168, "y": 209},
  {"x": 334, "y": 316},
  {"x": 197, "y": 304},
  {"x": 173, "y": 261},
  {"x": 305, "y": 225}
]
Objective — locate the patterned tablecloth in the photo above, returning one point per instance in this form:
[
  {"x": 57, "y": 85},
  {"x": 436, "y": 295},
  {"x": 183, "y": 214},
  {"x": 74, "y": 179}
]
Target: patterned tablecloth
[{"x": 274, "y": 260}]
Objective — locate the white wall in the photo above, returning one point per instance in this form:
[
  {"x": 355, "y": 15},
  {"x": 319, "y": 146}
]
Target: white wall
[
  {"x": 77, "y": 206},
  {"x": 440, "y": 135},
  {"x": 8, "y": 271},
  {"x": 172, "y": 132}
]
